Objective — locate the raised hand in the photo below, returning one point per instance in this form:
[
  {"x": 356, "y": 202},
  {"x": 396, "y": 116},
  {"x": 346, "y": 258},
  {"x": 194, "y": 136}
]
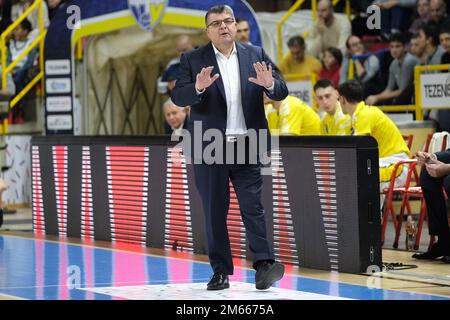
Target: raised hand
[
  {"x": 204, "y": 79},
  {"x": 264, "y": 76}
]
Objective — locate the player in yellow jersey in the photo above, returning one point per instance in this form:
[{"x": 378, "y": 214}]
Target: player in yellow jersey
[
  {"x": 291, "y": 117},
  {"x": 369, "y": 120},
  {"x": 334, "y": 122}
]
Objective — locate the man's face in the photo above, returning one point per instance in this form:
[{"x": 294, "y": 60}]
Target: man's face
[
  {"x": 397, "y": 50},
  {"x": 221, "y": 29},
  {"x": 423, "y": 7},
  {"x": 298, "y": 53},
  {"x": 174, "y": 115},
  {"x": 356, "y": 46},
  {"x": 324, "y": 11},
  {"x": 437, "y": 10},
  {"x": 327, "y": 99},
  {"x": 20, "y": 33},
  {"x": 418, "y": 46},
  {"x": 243, "y": 31},
  {"x": 445, "y": 41},
  {"x": 183, "y": 45}
]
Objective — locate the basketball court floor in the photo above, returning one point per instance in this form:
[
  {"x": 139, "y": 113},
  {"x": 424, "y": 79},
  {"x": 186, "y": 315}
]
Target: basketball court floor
[{"x": 51, "y": 269}]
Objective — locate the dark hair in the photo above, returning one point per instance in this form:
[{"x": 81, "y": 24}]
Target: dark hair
[
  {"x": 352, "y": 91},
  {"x": 297, "y": 41},
  {"x": 26, "y": 24},
  {"x": 322, "y": 84},
  {"x": 218, "y": 10},
  {"x": 239, "y": 20},
  {"x": 415, "y": 35},
  {"x": 398, "y": 37},
  {"x": 445, "y": 29},
  {"x": 336, "y": 53},
  {"x": 431, "y": 31}
]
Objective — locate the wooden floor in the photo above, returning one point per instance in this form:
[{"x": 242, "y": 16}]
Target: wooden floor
[{"x": 428, "y": 278}]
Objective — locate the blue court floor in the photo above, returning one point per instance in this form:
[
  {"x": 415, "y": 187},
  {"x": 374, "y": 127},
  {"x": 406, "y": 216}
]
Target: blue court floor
[{"x": 47, "y": 270}]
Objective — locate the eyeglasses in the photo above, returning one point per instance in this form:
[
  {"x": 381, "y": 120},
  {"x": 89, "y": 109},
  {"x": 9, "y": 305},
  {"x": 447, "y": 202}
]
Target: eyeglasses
[{"x": 216, "y": 24}]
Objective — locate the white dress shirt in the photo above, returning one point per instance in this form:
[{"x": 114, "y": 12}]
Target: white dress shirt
[{"x": 231, "y": 78}]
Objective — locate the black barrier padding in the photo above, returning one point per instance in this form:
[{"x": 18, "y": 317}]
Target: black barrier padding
[
  {"x": 74, "y": 162},
  {"x": 48, "y": 190}
]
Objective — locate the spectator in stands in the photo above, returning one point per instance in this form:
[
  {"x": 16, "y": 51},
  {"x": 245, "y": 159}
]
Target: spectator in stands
[
  {"x": 444, "y": 37},
  {"x": 432, "y": 180},
  {"x": 297, "y": 61},
  {"x": 393, "y": 15},
  {"x": 53, "y": 6},
  {"x": 183, "y": 44},
  {"x": 175, "y": 116},
  {"x": 331, "y": 65},
  {"x": 438, "y": 14},
  {"x": 417, "y": 48},
  {"x": 433, "y": 51},
  {"x": 335, "y": 122},
  {"x": 422, "y": 16},
  {"x": 291, "y": 117},
  {"x": 400, "y": 86},
  {"x": 243, "y": 30},
  {"x": 366, "y": 66},
  {"x": 20, "y": 42},
  {"x": 20, "y": 6},
  {"x": 330, "y": 30},
  {"x": 369, "y": 120}
]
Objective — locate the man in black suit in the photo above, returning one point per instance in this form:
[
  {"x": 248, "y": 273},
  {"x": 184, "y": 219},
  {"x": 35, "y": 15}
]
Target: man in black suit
[
  {"x": 230, "y": 101},
  {"x": 436, "y": 176}
]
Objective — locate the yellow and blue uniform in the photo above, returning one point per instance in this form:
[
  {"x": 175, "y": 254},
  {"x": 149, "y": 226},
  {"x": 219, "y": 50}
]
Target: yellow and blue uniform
[
  {"x": 368, "y": 120},
  {"x": 338, "y": 124},
  {"x": 294, "y": 117}
]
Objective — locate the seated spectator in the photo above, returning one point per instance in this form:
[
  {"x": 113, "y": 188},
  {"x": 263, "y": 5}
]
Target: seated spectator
[
  {"x": 444, "y": 37},
  {"x": 438, "y": 14},
  {"x": 183, "y": 43},
  {"x": 433, "y": 50},
  {"x": 366, "y": 66},
  {"x": 400, "y": 88},
  {"x": 335, "y": 122},
  {"x": 422, "y": 16},
  {"x": 291, "y": 117},
  {"x": 331, "y": 65},
  {"x": 330, "y": 30},
  {"x": 417, "y": 48},
  {"x": 21, "y": 40},
  {"x": 297, "y": 61},
  {"x": 433, "y": 179},
  {"x": 371, "y": 121},
  {"x": 242, "y": 30},
  {"x": 21, "y": 6},
  {"x": 394, "y": 14},
  {"x": 175, "y": 116}
]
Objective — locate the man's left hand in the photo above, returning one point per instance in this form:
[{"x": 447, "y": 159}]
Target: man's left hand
[
  {"x": 437, "y": 169},
  {"x": 264, "y": 76}
]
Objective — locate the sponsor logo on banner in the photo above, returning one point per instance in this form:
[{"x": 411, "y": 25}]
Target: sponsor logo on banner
[
  {"x": 435, "y": 90},
  {"x": 302, "y": 90},
  {"x": 57, "y": 67},
  {"x": 148, "y": 13},
  {"x": 59, "y": 104},
  {"x": 58, "y": 85},
  {"x": 59, "y": 122}
]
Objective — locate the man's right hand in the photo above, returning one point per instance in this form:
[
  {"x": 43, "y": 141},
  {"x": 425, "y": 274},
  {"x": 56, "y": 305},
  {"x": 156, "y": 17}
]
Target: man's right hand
[
  {"x": 424, "y": 157},
  {"x": 204, "y": 79}
]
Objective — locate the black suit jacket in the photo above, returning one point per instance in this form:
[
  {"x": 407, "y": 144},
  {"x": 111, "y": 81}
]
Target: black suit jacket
[{"x": 210, "y": 107}]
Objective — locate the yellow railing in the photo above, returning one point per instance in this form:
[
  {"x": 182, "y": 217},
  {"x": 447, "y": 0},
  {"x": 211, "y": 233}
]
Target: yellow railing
[
  {"x": 38, "y": 41},
  {"x": 280, "y": 23}
]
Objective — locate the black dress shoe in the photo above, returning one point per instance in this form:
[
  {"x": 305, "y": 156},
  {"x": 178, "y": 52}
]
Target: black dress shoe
[
  {"x": 434, "y": 253},
  {"x": 267, "y": 274},
  {"x": 219, "y": 281},
  {"x": 446, "y": 259}
]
